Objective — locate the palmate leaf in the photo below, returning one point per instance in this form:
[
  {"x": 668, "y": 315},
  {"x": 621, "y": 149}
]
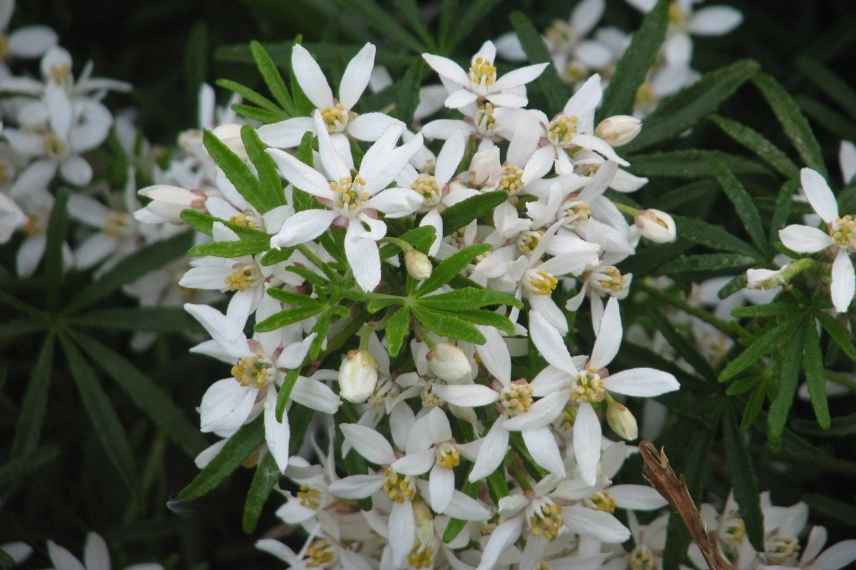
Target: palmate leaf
[
  {"x": 741, "y": 471},
  {"x": 31, "y": 416},
  {"x": 555, "y": 91},
  {"x": 632, "y": 68}
]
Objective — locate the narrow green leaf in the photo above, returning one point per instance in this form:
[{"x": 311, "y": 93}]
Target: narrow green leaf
[
  {"x": 732, "y": 286},
  {"x": 450, "y": 267},
  {"x": 632, "y": 69},
  {"x": 836, "y": 123},
  {"x": 152, "y": 319},
  {"x": 57, "y": 228},
  {"x": 108, "y": 429},
  {"x": 463, "y": 24},
  {"x": 487, "y": 318},
  {"x": 199, "y": 221},
  {"x": 787, "y": 386},
  {"x": 270, "y": 184},
  {"x": 252, "y": 96},
  {"x": 759, "y": 347},
  {"x": 381, "y": 20},
  {"x": 784, "y": 202},
  {"x": 792, "y": 120},
  {"x": 497, "y": 484},
  {"x": 706, "y": 262},
  {"x": 303, "y": 200},
  {"x": 829, "y": 83},
  {"x": 31, "y": 417},
  {"x": 555, "y": 91},
  {"x": 230, "y": 249},
  {"x": 22, "y": 327},
  {"x": 839, "y": 334},
  {"x": 397, "y": 329},
  {"x": 769, "y": 310},
  {"x": 411, "y": 12},
  {"x": 741, "y": 472},
  {"x": 753, "y": 406},
  {"x": 132, "y": 268},
  {"x": 288, "y": 317},
  {"x": 469, "y": 298},
  {"x": 691, "y": 164},
  {"x": 757, "y": 143},
  {"x": 445, "y": 324},
  {"x": 380, "y": 301},
  {"x": 421, "y": 238},
  {"x": 274, "y": 256},
  {"x": 841, "y": 426},
  {"x": 196, "y": 61},
  {"x": 284, "y": 395},
  {"x": 236, "y": 171},
  {"x": 465, "y": 211},
  {"x": 272, "y": 77},
  {"x": 291, "y": 297},
  {"x": 265, "y": 478},
  {"x": 714, "y": 237},
  {"x": 257, "y": 114},
  {"x": 237, "y": 449},
  {"x": 449, "y": 13},
  {"x": 408, "y": 90},
  {"x": 683, "y": 346},
  {"x": 743, "y": 204},
  {"x": 683, "y": 110},
  {"x": 24, "y": 468},
  {"x": 839, "y": 510},
  {"x": 815, "y": 377}
]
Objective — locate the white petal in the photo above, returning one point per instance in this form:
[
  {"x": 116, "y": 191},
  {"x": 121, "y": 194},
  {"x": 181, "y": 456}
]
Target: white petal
[
  {"x": 847, "y": 161},
  {"x": 285, "y": 134},
  {"x": 500, "y": 541},
  {"x": 95, "y": 553},
  {"x": 278, "y": 549},
  {"x": 466, "y": 395},
  {"x": 550, "y": 344},
  {"x": 277, "y": 434},
  {"x": 843, "y": 281},
  {"x": 549, "y": 380},
  {"x": 378, "y": 176},
  {"x": 600, "y": 146},
  {"x": 491, "y": 453},
  {"x": 586, "y": 99},
  {"x": 520, "y": 76},
  {"x": 466, "y": 508},
  {"x": 303, "y": 227},
  {"x": 228, "y": 335},
  {"x": 415, "y": 463},
  {"x": 356, "y": 76},
  {"x": 356, "y": 486},
  {"x": 508, "y": 99},
  {"x": 75, "y": 170},
  {"x": 31, "y": 41},
  {"x": 598, "y": 524},
  {"x": 450, "y": 157},
  {"x": 804, "y": 239},
  {"x": 494, "y": 354},
  {"x": 396, "y": 202},
  {"x": 814, "y": 544},
  {"x": 608, "y": 337},
  {"x": 641, "y": 382},
  {"x": 311, "y": 78},
  {"x": 540, "y": 414},
  {"x": 301, "y": 175},
  {"x": 62, "y": 559},
  {"x": 441, "y": 483},
  {"x": 225, "y": 406},
  {"x": 587, "y": 438},
  {"x": 819, "y": 194},
  {"x": 316, "y": 395},
  {"x": 59, "y": 107},
  {"x": 460, "y": 98},
  {"x": 447, "y": 68},
  {"x": 715, "y": 20},
  {"x": 542, "y": 445},
  {"x": 369, "y": 443},
  {"x": 334, "y": 165},
  {"x": 363, "y": 257},
  {"x": 370, "y": 126},
  {"x": 837, "y": 556},
  {"x": 637, "y": 497},
  {"x": 87, "y": 210},
  {"x": 402, "y": 531},
  {"x": 586, "y": 15}
]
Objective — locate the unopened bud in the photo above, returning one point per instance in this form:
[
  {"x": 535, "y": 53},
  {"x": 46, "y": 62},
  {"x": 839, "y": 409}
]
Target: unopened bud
[
  {"x": 448, "y": 362},
  {"x": 483, "y": 166},
  {"x": 618, "y": 130},
  {"x": 418, "y": 265},
  {"x": 656, "y": 226},
  {"x": 230, "y": 135},
  {"x": 763, "y": 278},
  {"x": 357, "y": 376},
  {"x": 621, "y": 421}
]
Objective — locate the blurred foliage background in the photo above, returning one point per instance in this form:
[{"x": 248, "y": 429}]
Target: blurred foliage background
[{"x": 166, "y": 48}]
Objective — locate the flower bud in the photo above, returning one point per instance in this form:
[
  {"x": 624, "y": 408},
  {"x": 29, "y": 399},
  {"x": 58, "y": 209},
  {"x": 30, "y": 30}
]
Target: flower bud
[
  {"x": 484, "y": 166},
  {"x": 418, "y": 265},
  {"x": 357, "y": 376},
  {"x": 618, "y": 130},
  {"x": 657, "y": 226},
  {"x": 230, "y": 135},
  {"x": 448, "y": 362},
  {"x": 763, "y": 278},
  {"x": 621, "y": 420}
]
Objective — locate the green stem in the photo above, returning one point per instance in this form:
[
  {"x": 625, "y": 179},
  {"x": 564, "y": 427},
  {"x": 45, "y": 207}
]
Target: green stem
[
  {"x": 841, "y": 378},
  {"x": 317, "y": 262}
]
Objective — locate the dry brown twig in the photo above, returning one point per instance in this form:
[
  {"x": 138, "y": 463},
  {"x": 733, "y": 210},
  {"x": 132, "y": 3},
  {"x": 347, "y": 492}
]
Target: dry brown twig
[{"x": 657, "y": 470}]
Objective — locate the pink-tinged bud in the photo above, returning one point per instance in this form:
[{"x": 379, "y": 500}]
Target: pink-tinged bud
[
  {"x": 448, "y": 362},
  {"x": 619, "y": 129},
  {"x": 656, "y": 226},
  {"x": 621, "y": 421},
  {"x": 167, "y": 203},
  {"x": 357, "y": 376},
  {"x": 418, "y": 265}
]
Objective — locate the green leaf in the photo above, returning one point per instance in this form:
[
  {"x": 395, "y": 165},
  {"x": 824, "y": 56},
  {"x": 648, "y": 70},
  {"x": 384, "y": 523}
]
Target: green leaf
[
  {"x": 257, "y": 114},
  {"x": 814, "y": 375},
  {"x": 288, "y": 317},
  {"x": 153, "y": 400},
  {"x": 447, "y": 269},
  {"x": 759, "y": 347},
  {"x": 792, "y": 120},
  {"x": 132, "y": 268},
  {"x": 632, "y": 69},
  {"x": 252, "y": 96},
  {"x": 199, "y": 221},
  {"x": 554, "y": 89},
  {"x": 841, "y": 511},
  {"x": 690, "y": 164},
  {"x": 769, "y": 310},
  {"x": 284, "y": 395},
  {"x": 265, "y": 478},
  {"x": 714, "y": 237},
  {"x": 153, "y": 319},
  {"x": 396, "y": 331},
  {"x": 445, "y": 324},
  {"x": 706, "y": 262},
  {"x": 836, "y": 123},
  {"x": 381, "y": 20},
  {"x": 272, "y": 77},
  {"x": 743, "y": 204},
  {"x": 681, "y": 111},
  {"x": 408, "y": 90},
  {"x": 488, "y": 318},
  {"x": 303, "y": 200},
  {"x": 57, "y": 228},
  {"x": 31, "y": 417},
  {"x": 291, "y": 297},
  {"x": 421, "y": 238},
  {"x": 380, "y": 301},
  {"x": 732, "y": 286},
  {"x": 465, "y": 211},
  {"x": 24, "y": 468},
  {"x": 741, "y": 472},
  {"x": 469, "y": 298},
  {"x": 784, "y": 201},
  {"x": 234, "y": 452},
  {"x": 449, "y": 13},
  {"x": 683, "y": 346},
  {"x": 411, "y": 12},
  {"x": 230, "y": 249},
  {"x": 757, "y": 143},
  {"x": 829, "y": 83},
  {"x": 237, "y": 172},
  {"x": 497, "y": 484},
  {"x": 275, "y": 256},
  {"x": 463, "y": 24},
  {"x": 753, "y": 406},
  {"x": 270, "y": 184},
  {"x": 839, "y": 334},
  {"x": 108, "y": 429},
  {"x": 787, "y": 386}
]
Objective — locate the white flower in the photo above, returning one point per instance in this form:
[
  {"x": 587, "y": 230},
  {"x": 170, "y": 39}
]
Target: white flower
[
  {"x": 95, "y": 556},
  {"x": 449, "y": 363},
  {"x": 358, "y": 376},
  {"x": 481, "y": 83},
  {"x": 840, "y": 237},
  {"x": 324, "y": 551},
  {"x": 352, "y": 200},
  {"x": 847, "y": 161},
  {"x": 338, "y": 116},
  {"x": 12, "y": 218},
  {"x": 656, "y": 225},
  {"x": 583, "y": 381}
]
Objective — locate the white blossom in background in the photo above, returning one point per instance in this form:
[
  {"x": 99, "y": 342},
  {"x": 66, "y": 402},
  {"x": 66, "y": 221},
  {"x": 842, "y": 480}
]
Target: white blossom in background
[{"x": 95, "y": 556}]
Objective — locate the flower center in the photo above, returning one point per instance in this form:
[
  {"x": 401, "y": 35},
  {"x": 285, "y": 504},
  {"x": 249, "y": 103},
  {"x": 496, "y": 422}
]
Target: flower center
[
  {"x": 252, "y": 372},
  {"x": 546, "y": 521},
  {"x": 678, "y": 17},
  {"x": 116, "y": 224},
  {"x": 561, "y": 130},
  {"x": 349, "y": 193},
  {"x": 645, "y": 96},
  {"x": 428, "y": 187},
  {"x": 243, "y": 220},
  {"x": 782, "y": 550},
  {"x": 482, "y": 72},
  {"x": 539, "y": 282},
  {"x": 244, "y": 276},
  {"x": 320, "y": 553},
  {"x": 399, "y": 488},
  {"x": 528, "y": 241},
  {"x": 576, "y": 212},
  {"x": 733, "y": 534},
  {"x": 448, "y": 455},
  {"x": 485, "y": 119},
  {"x": 511, "y": 179},
  {"x": 421, "y": 556},
  {"x": 588, "y": 388},
  {"x": 560, "y": 35},
  {"x": 309, "y": 497},
  {"x": 575, "y": 71},
  {"x": 609, "y": 280},
  {"x": 516, "y": 399},
  {"x": 429, "y": 399},
  {"x": 843, "y": 232},
  {"x": 642, "y": 558},
  {"x": 603, "y": 501},
  {"x": 53, "y": 146},
  {"x": 336, "y": 118},
  {"x": 34, "y": 225},
  {"x": 60, "y": 73}
]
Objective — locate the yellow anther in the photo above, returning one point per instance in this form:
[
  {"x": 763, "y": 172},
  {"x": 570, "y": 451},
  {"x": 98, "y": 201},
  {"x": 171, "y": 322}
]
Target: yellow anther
[
  {"x": 60, "y": 73},
  {"x": 588, "y": 387},
  {"x": 511, "y": 179},
  {"x": 349, "y": 192},
  {"x": 560, "y": 35},
  {"x": 603, "y": 501},
  {"x": 781, "y": 550},
  {"x": 243, "y": 220},
  {"x": 576, "y": 212},
  {"x": 528, "y": 241},
  {"x": 336, "y": 118},
  {"x": 642, "y": 558},
  {"x": 4, "y": 47},
  {"x": 561, "y": 130},
  {"x": 448, "y": 455},
  {"x": 610, "y": 280},
  {"x": 485, "y": 119},
  {"x": 116, "y": 224},
  {"x": 309, "y": 497},
  {"x": 575, "y": 71},
  {"x": 539, "y": 282},
  {"x": 53, "y": 146},
  {"x": 677, "y": 15},
  {"x": 645, "y": 96},
  {"x": 482, "y": 72},
  {"x": 428, "y": 187},
  {"x": 242, "y": 277},
  {"x": 320, "y": 554},
  {"x": 399, "y": 488},
  {"x": 252, "y": 371},
  {"x": 547, "y": 521},
  {"x": 421, "y": 556},
  {"x": 516, "y": 398},
  {"x": 843, "y": 232}
]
